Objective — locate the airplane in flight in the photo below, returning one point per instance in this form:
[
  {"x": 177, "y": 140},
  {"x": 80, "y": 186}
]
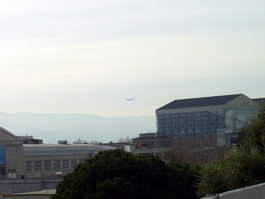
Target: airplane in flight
[{"x": 130, "y": 99}]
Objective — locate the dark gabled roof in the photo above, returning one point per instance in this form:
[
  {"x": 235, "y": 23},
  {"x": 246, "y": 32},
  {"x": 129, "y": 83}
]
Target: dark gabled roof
[
  {"x": 195, "y": 102},
  {"x": 259, "y": 100}
]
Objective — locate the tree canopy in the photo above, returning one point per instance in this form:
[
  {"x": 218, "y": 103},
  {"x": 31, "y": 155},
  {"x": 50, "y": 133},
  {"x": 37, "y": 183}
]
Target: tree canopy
[
  {"x": 199, "y": 151},
  {"x": 119, "y": 174},
  {"x": 252, "y": 137},
  {"x": 243, "y": 165}
]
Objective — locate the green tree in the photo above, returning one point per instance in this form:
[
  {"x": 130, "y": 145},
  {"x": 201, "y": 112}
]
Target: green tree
[
  {"x": 199, "y": 151},
  {"x": 119, "y": 174},
  {"x": 243, "y": 165},
  {"x": 252, "y": 137},
  {"x": 238, "y": 169}
]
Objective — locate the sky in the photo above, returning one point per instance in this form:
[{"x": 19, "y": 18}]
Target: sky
[{"x": 88, "y": 57}]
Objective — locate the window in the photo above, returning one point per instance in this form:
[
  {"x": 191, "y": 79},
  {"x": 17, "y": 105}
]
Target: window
[
  {"x": 2, "y": 170},
  {"x": 47, "y": 165},
  {"x": 65, "y": 164},
  {"x": 73, "y": 163},
  {"x": 28, "y": 166},
  {"x": 37, "y": 165},
  {"x": 56, "y": 164},
  {"x": 81, "y": 160}
]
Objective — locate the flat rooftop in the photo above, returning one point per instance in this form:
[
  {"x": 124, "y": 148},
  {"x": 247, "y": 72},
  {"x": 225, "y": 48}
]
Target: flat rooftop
[{"x": 49, "y": 149}]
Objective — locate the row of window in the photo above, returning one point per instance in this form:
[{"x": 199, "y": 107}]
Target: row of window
[
  {"x": 52, "y": 164},
  {"x": 190, "y": 123}
]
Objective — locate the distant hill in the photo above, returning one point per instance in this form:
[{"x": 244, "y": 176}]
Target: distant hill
[{"x": 54, "y": 127}]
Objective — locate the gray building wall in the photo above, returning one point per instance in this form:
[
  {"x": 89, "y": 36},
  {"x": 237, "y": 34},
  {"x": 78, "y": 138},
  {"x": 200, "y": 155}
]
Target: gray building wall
[
  {"x": 49, "y": 164},
  {"x": 151, "y": 143},
  {"x": 14, "y": 159},
  {"x": 27, "y": 185},
  {"x": 241, "y": 102}
]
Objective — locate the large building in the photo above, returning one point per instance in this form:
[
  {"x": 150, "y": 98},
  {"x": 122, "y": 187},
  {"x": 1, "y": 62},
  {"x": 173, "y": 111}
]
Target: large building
[
  {"x": 26, "y": 162},
  {"x": 196, "y": 116}
]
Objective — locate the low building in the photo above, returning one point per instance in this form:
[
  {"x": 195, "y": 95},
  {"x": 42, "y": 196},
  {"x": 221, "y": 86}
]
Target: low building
[
  {"x": 151, "y": 143},
  {"x": 56, "y": 159},
  {"x": 39, "y": 161}
]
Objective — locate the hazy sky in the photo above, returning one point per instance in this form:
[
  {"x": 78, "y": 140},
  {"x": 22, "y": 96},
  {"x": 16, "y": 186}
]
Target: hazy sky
[{"x": 89, "y": 56}]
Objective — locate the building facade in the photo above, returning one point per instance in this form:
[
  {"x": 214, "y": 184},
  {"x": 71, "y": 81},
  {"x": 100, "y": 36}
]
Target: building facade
[
  {"x": 151, "y": 143},
  {"x": 29, "y": 161},
  {"x": 191, "y": 117}
]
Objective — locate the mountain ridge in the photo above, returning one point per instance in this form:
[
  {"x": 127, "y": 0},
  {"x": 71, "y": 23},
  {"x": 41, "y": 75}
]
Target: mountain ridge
[{"x": 52, "y": 127}]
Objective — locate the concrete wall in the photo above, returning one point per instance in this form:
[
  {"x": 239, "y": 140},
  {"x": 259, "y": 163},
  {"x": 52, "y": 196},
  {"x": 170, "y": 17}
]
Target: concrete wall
[
  {"x": 241, "y": 102},
  {"x": 51, "y": 172},
  {"x": 251, "y": 192},
  {"x": 14, "y": 160},
  {"x": 27, "y": 185}
]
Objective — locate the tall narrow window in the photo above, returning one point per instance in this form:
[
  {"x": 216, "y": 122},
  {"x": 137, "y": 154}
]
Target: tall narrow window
[
  {"x": 73, "y": 163},
  {"x": 56, "y": 164},
  {"x": 47, "y": 165},
  {"x": 65, "y": 164},
  {"x": 28, "y": 166},
  {"x": 37, "y": 165}
]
